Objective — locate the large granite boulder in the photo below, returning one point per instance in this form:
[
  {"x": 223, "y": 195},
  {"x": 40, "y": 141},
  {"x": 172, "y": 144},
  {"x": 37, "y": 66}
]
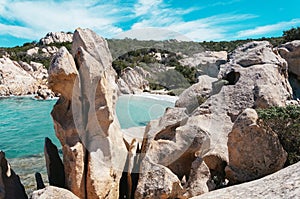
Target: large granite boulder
[
  {"x": 254, "y": 152},
  {"x": 196, "y": 94},
  {"x": 207, "y": 62},
  {"x": 133, "y": 80},
  {"x": 256, "y": 53},
  {"x": 53, "y": 192},
  {"x": 171, "y": 148},
  {"x": 10, "y": 184},
  {"x": 280, "y": 185},
  {"x": 84, "y": 117},
  {"x": 291, "y": 53}
]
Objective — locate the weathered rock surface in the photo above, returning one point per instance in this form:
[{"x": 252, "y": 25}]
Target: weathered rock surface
[
  {"x": 53, "y": 192},
  {"x": 10, "y": 184},
  {"x": 282, "y": 184},
  {"x": 254, "y": 152},
  {"x": 195, "y": 95},
  {"x": 200, "y": 179},
  {"x": 171, "y": 148},
  {"x": 14, "y": 80},
  {"x": 133, "y": 80},
  {"x": 157, "y": 181},
  {"x": 85, "y": 119},
  {"x": 55, "y": 167},
  {"x": 256, "y": 53},
  {"x": 291, "y": 53},
  {"x": 207, "y": 62},
  {"x": 56, "y": 37},
  {"x": 259, "y": 82}
]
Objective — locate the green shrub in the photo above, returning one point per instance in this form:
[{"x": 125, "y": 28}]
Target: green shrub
[
  {"x": 285, "y": 122},
  {"x": 292, "y": 34}
]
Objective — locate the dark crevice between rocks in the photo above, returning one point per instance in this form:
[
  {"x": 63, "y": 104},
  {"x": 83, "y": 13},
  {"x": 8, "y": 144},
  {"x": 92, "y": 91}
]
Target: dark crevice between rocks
[
  {"x": 182, "y": 166},
  {"x": 295, "y": 84},
  {"x": 168, "y": 133},
  {"x": 217, "y": 169},
  {"x": 233, "y": 117},
  {"x": 130, "y": 175},
  {"x": 232, "y": 77}
]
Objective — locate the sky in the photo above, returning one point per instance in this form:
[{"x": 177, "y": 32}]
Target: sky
[{"x": 198, "y": 20}]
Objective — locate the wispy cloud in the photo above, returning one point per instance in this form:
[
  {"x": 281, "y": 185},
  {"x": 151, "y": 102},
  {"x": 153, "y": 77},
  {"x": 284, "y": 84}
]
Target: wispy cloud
[
  {"x": 44, "y": 16},
  {"x": 262, "y": 30}
]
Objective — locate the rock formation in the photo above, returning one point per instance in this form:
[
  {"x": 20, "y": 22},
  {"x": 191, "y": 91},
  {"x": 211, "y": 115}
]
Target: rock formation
[
  {"x": 85, "y": 119},
  {"x": 207, "y": 62},
  {"x": 21, "y": 78},
  {"x": 14, "y": 80},
  {"x": 254, "y": 77},
  {"x": 280, "y": 185},
  {"x": 133, "y": 80},
  {"x": 195, "y": 95},
  {"x": 39, "y": 181},
  {"x": 55, "y": 167},
  {"x": 291, "y": 53},
  {"x": 10, "y": 184},
  {"x": 247, "y": 161},
  {"x": 56, "y": 37},
  {"x": 53, "y": 192},
  {"x": 170, "y": 151}
]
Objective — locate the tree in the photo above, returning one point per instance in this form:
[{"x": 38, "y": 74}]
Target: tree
[{"x": 292, "y": 34}]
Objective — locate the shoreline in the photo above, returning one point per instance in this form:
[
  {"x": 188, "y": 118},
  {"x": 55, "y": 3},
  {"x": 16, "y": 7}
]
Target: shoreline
[{"x": 167, "y": 98}]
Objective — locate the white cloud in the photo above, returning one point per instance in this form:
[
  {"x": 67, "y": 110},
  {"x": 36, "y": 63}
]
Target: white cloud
[
  {"x": 210, "y": 28},
  {"x": 44, "y": 16},
  {"x": 145, "y": 6},
  {"x": 261, "y": 30},
  {"x": 17, "y": 31}
]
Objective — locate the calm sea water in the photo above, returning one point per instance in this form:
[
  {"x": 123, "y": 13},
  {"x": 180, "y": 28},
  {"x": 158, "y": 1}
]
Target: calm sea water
[{"x": 24, "y": 122}]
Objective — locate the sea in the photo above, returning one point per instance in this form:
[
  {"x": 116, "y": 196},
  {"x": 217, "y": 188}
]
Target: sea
[{"x": 25, "y": 122}]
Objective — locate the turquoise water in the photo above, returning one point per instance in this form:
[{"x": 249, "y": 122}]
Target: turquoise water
[{"x": 24, "y": 122}]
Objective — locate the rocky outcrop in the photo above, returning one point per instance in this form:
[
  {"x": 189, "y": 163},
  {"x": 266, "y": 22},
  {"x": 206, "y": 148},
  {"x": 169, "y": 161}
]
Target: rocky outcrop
[
  {"x": 258, "y": 53},
  {"x": 259, "y": 83},
  {"x": 254, "y": 152},
  {"x": 172, "y": 146},
  {"x": 133, "y": 80},
  {"x": 55, "y": 167},
  {"x": 291, "y": 53},
  {"x": 21, "y": 78},
  {"x": 280, "y": 185},
  {"x": 14, "y": 80},
  {"x": 195, "y": 95},
  {"x": 207, "y": 62},
  {"x": 85, "y": 119},
  {"x": 53, "y": 192},
  {"x": 10, "y": 184},
  {"x": 56, "y": 37}
]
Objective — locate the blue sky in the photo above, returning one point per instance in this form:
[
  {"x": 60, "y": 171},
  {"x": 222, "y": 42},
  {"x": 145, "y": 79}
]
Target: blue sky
[{"x": 24, "y": 20}]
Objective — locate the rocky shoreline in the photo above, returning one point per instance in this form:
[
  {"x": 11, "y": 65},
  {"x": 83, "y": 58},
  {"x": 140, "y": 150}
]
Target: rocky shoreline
[{"x": 211, "y": 139}]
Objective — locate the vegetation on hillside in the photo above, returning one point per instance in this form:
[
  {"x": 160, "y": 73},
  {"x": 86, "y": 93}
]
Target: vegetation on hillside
[
  {"x": 132, "y": 52},
  {"x": 292, "y": 34},
  {"x": 285, "y": 122}
]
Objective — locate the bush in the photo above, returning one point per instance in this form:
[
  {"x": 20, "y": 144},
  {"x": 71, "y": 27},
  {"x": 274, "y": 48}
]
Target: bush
[
  {"x": 285, "y": 122},
  {"x": 292, "y": 34}
]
